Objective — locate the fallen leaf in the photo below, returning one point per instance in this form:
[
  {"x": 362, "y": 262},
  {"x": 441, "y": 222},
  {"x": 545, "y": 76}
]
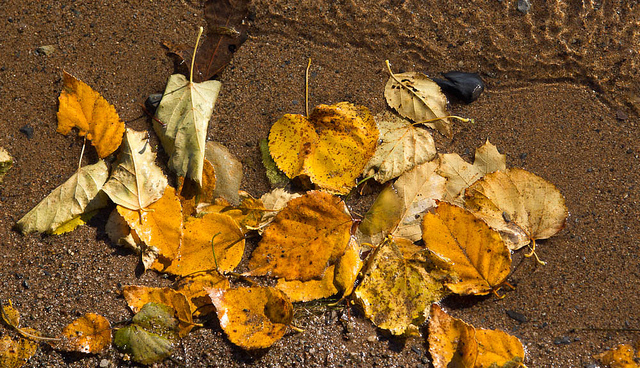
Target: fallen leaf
[
  {"x": 79, "y": 194},
  {"x": 305, "y": 238},
  {"x": 396, "y": 291},
  {"x": 402, "y": 146},
  {"x": 151, "y": 336},
  {"x": 520, "y": 205},
  {"x": 473, "y": 251},
  {"x": 181, "y": 123},
  {"x": 497, "y": 347},
  {"x": 332, "y": 146},
  {"x": 214, "y": 241},
  {"x": 6, "y": 162},
  {"x": 72, "y": 224},
  {"x": 252, "y": 317},
  {"x": 277, "y": 178},
  {"x": 83, "y": 108},
  {"x": 10, "y": 315},
  {"x": 621, "y": 356},
  {"x": 451, "y": 341},
  {"x": 193, "y": 286},
  {"x": 304, "y": 291},
  {"x": 415, "y": 96},
  {"x": 90, "y": 334},
  {"x": 137, "y": 181},
  {"x": 14, "y": 354},
  {"x": 191, "y": 194},
  {"x": 348, "y": 268},
  {"x": 274, "y": 202},
  {"x": 138, "y": 296},
  {"x": 228, "y": 171},
  {"x": 461, "y": 175},
  {"x": 248, "y": 214}
]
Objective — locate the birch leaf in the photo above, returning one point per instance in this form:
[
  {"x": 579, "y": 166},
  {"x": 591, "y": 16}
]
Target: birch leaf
[
  {"x": 83, "y": 108},
  {"x": 14, "y": 354},
  {"x": 402, "y": 146},
  {"x": 90, "y": 334},
  {"x": 451, "y": 341},
  {"x": 182, "y": 120},
  {"x": 460, "y": 174},
  {"x": 277, "y": 178},
  {"x": 137, "y": 181},
  {"x": 138, "y": 296},
  {"x": 415, "y": 96},
  {"x": 304, "y": 291},
  {"x": 79, "y": 194},
  {"x": 194, "y": 287},
  {"x": 497, "y": 347},
  {"x": 274, "y": 202}
]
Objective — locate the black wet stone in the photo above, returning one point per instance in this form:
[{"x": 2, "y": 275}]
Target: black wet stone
[
  {"x": 516, "y": 316},
  {"x": 524, "y": 6},
  {"x": 564, "y": 340},
  {"x": 152, "y": 102},
  {"x": 466, "y": 87},
  {"x": 27, "y": 130}
]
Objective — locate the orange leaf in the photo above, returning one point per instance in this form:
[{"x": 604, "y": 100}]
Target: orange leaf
[
  {"x": 451, "y": 341},
  {"x": 304, "y": 291},
  {"x": 89, "y": 334},
  {"x": 497, "y": 347},
  {"x": 83, "y": 108},
  {"x": 14, "y": 354},
  {"x": 193, "y": 287},
  {"x": 248, "y": 214},
  {"x": 191, "y": 193},
  {"x": 138, "y": 296},
  {"x": 252, "y": 317},
  {"x": 305, "y": 238},
  {"x": 619, "y": 357}
]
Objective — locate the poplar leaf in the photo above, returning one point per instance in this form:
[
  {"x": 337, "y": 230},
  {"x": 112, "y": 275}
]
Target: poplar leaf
[
  {"x": 14, "y": 354},
  {"x": 90, "y": 334},
  {"x": 452, "y": 342},
  {"x": 138, "y": 296},
  {"x": 79, "y": 194}
]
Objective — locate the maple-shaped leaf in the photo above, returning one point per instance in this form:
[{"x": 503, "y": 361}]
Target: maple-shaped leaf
[
  {"x": 461, "y": 174},
  {"x": 83, "y": 108},
  {"x": 399, "y": 208},
  {"x": 397, "y": 289},
  {"x": 6, "y": 162},
  {"x": 194, "y": 287},
  {"x": 90, "y": 334},
  {"x": 497, "y": 347},
  {"x": 520, "y": 205},
  {"x": 252, "y": 317},
  {"x": 415, "y": 96},
  {"x": 402, "y": 146},
  {"x": 473, "y": 251},
  {"x": 452, "y": 342},
  {"x": 138, "y": 296},
  {"x": 332, "y": 146},
  {"x": 15, "y": 354},
  {"x": 137, "y": 181},
  {"x": 228, "y": 171},
  {"x": 79, "y": 194},
  {"x": 181, "y": 122},
  {"x": 305, "y": 238}
]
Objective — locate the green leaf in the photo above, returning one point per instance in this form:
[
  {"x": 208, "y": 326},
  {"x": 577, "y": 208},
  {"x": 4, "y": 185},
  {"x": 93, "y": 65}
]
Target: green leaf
[{"x": 277, "y": 178}]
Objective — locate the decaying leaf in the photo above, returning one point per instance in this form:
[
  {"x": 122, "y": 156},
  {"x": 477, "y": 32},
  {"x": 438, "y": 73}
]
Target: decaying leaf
[
  {"x": 274, "y": 202},
  {"x": 138, "y": 296},
  {"x": 460, "y": 174},
  {"x": 277, "y": 178},
  {"x": 396, "y": 290},
  {"x": 10, "y": 315},
  {"x": 83, "y": 108},
  {"x": 402, "y": 146},
  {"x": 520, "y": 205},
  {"x": 228, "y": 172},
  {"x": 348, "y": 268},
  {"x": 472, "y": 251},
  {"x": 90, "y": 334},
  {"x": 399, "y": 208},
  {"x": 79, "y": 194},
  {"x": 252, "y": 317},
  {"x": 14, "y": 354},
  {"x": 332, "y": 146},
  {"x": 194, "y": 287},
  {"x": 451, "y": 341},
  {"x": 248, "y": 214},
  {"x": 305, "y": 238},
  {"x": 137, "y": 181},
  {"x": 497, "y": 347},
  {"x": 415, "y": 96},
  {"x": 621, "y": 356},
  {"x": 6, "y": 161},
  {"x": 151, "y": 336},
  {"x": 181, "y": 122}
]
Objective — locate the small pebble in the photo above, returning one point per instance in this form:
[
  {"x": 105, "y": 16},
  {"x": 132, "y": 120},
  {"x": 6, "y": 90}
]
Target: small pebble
[
  {"x": 27, "y": 130},
  {"x": 524, "y": 6},
  {"x": 25, "y": 284},
  {"x": 523, "y": 156},
  {"x": 621, "y": 115},
  {"x": 104, "y": 363},
  {"x": 466, "y": 87},
  {"x": 516, "y": 316},
  {"x": 46, "y": 50},
  {"x": 372, "y": 338},
  {"x": 564, "y": 340}
]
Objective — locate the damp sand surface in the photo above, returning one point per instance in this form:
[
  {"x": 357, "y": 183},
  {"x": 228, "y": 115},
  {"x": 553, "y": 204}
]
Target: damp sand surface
[{"x": 560, "y": 102}]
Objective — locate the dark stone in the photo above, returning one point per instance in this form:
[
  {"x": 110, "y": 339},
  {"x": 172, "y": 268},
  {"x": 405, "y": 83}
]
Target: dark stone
[
  {"x": 523, "y": 156},
  {"x": 152, "y": 102},
  {"x": 27, "y": 130},
  {"x": 564, "y": 340},
  {"x": 516, "y": 316},
  {"x": 466, "y": 87},
  {"x": 524, "y": 6},
  {"x": 621, "y": 115}
]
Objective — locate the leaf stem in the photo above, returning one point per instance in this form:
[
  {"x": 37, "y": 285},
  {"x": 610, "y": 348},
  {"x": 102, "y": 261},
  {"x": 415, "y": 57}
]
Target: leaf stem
[
  {"x": 306, "y": 87},
  {"x": 84, "y": 144},
  {"x": 193, "y": 57},
  {"x": 464, "y": 120},
  {"x": 213, "y": 250},
  {"x": 533, "y": 253}
]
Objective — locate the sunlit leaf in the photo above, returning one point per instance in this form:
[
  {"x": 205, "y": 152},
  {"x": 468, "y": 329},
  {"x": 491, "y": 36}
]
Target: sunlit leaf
[
  {"x": 497, "y": 347},
  {"x": 348, "y": 268},
  {"x": 452, "y": 342},
  {"x": 304, "y": 291},
  {"x": 14, "y": 354},
  {"x": 248, "y": 214},
  {"x": 194, "y": 287},
  {"x": 274, "y": 202},
  {"x": 621, "y": 356},
  {"x": 10, "y": 315},
  {"x": 6, "y": 162},
  {"x": 138, "y": 296},
  {"x": 89, "y": 334},
  {"x": 72, "y": 224}
]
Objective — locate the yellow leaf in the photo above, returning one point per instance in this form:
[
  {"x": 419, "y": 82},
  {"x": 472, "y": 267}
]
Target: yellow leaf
[
  {"x": 14, "y": 354},
  {"x": 137, "y": 181},
  {"x": 332, "y": 146},
  {"x": 475, "y": 253},
  {"x": 10, "y": 315},
  {"x": 158, "y": 226},
  {"x": 461, "y": 175},
  {"x": 348, "y": 268},
  {"x": 252, "y": 317},
  {"x": 396, "y": 292},
  {"x": 304, "y": 291},
  {"x": 621, "y": 356},
  {"x": 138, "y": 296},
  {"x": 74, "y": 223},
  {"x": 274, "y": 202},
  {"x": 247, "y": 214},
  {"x": 181, "y": 123},
  {"x": 451, "y": 341},
  {"x": 520, "y": 205},
  {"x": 191, "y": 193},
  {"x": 415, "y": 96},
  {"x": 6, "y": 162},
  {"x": 83, "y": 108},
  {"x": 193, "y": 287},
  {"x": 305, "y": 238},
  {"x": 402, "y": 146},
  {"x": 212, "y": 242},
  {"x": 89, "y": 334},
  {"x": 497, "y": 347}
]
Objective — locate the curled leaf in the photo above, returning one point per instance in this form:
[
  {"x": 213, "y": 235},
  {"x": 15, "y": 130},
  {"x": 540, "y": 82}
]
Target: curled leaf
[
  {"x": 277, "y": 178},
  {"x": 194, "y": 287},
  {"x": 90, "y": 334},
  {"x": 304, "y": 291},
  {"x": 14, "y": 354}
]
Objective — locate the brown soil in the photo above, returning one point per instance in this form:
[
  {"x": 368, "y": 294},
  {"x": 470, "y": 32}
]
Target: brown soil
[{"x": 562, "y": 88}]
